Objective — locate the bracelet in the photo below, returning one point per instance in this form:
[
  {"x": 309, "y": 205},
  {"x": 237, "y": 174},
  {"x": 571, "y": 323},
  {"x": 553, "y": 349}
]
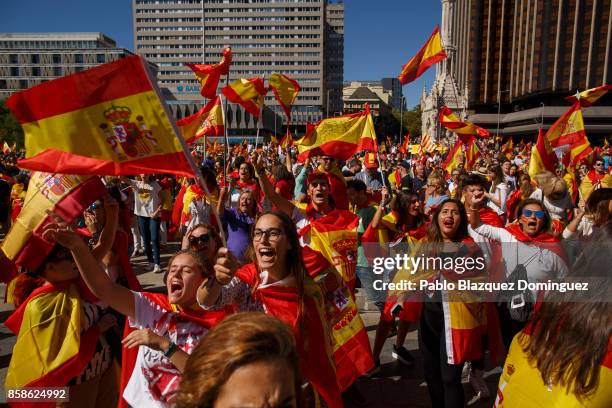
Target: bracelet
[{"x": 171, "y": 350}]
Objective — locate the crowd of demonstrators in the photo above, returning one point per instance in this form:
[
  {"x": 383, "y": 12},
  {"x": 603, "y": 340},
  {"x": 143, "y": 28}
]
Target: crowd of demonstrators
[{"x": 253, "y": 294}]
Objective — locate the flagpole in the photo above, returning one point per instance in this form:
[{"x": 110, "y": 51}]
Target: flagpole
[
  {"x": 226, "y": 149},
  {"x": 401, "y": 112},
  {"x": 258, "y": 125},
  {"x": 192, "y": 164}
]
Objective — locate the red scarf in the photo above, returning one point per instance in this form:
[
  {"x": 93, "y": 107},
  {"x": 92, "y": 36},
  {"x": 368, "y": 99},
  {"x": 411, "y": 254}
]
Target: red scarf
[
  {"x": 543, "y": 240},
  {"x": 282, "y": 302},
  {"x": 490, "y": 217}
]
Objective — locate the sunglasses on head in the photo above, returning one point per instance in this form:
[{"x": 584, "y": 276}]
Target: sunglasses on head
[
  {"x": 201, "y": 239},
  {"x": 529, "y": 213}
]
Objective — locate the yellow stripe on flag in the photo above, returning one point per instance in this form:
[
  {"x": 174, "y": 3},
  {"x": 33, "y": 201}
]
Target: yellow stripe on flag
[{"x": 128, "y": 129}]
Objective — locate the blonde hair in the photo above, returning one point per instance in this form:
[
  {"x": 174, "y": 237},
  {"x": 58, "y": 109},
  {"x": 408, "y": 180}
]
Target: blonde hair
[{"x": 550, "y": 184}]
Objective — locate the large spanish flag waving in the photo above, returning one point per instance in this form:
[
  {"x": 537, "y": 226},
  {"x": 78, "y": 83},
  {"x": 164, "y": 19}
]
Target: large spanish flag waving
[
  {"x": 590, "y": 96},
  {"x": 208, "y": 121},
  {"x": 249, "y": 93},
  {"x": 108, "y": 120},
  {"x": 430, "y": 53},
  {"x": 340, "y": 137},
  {"x": 285, "y": 90},
  {"x": 568, "y": 129},
  {"x": 451, "y": 121},
  {"x": 208, "y": 75}
]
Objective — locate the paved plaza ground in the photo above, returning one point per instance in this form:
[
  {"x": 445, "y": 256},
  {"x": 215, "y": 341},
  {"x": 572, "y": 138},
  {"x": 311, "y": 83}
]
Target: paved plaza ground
[{"x": 398, "y": 385}]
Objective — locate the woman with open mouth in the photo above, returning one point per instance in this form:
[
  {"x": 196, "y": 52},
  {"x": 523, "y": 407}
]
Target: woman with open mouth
[
  {"x": 450, "y": 330},
  {"x": 526, "y": 244},
  {"x": 276, "y": 283},
  {"x": 164, "y": 327}
]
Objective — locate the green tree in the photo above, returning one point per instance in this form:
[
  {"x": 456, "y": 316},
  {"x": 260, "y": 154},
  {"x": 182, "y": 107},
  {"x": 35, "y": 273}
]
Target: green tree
[
  {"x": 411, "y": 120},
  {"x": 10, "y": 129}
]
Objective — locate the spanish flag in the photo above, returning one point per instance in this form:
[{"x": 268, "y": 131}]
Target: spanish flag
[
  {"x": 507, "y": 149},
  {"x": 472, "y": 153},
  {"x": 208, "y": 121},
  {"x": 108, "y": 120},
  {"x": 285, "y": 90},
  {"x": 249, "y": 93},
  {"x": 543, "y": 157},
  {"x": 65, "y": 195},
  {"x": 287, "y": 140},
  {"x": 208, "y": 75},
  {"x": 590, "y": 96},
  {"x": 51, "y": 347},
  {"x": 451, "y": 121},
  {"x": 568, "y": 129},
  {"x": 431, "y": 53},
  {"x": 340, "y": 137},
  {"x": 454, "y": 158},
  {"x": 6, "y": 149}
]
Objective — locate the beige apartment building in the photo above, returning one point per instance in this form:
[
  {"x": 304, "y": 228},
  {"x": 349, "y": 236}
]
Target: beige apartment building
[
  {"x": 302, "y": 39},
  {"x": 28, "y": 59}
]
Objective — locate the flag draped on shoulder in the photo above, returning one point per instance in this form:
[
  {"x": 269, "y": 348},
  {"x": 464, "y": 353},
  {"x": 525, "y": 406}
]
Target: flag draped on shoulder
[
  {"x": 208, "y": 121},
  {"x": 543, "y": 157},
  {"x": 431, "y": 53},
  {"x": 451, "y": 121},
  {"x": 108, "y": 120},
  {"x": 249, "y": 93},
  {"x": 285, "y": 90},
  {"x": 208, "y": 75},
  {"x": 340, "y": 137},
  {"x": 65, "y": 195}
]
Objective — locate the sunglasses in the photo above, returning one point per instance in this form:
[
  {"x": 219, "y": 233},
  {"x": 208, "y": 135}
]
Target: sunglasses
[
  {"x": 202, "y": 239},
  {"x": 599, "y": 164},
  {"x": 530, "y": 213},
  {"x": 93, "y": 207}
]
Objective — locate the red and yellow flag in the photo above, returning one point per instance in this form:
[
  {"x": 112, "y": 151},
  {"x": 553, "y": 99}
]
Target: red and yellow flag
[
  {"x": 285, "y": 90},
  {"x": 568, "y": 129},
  {"x": 208, "y": 121},
  {"x": 590, "y": 96},
  {"x": 65, "y": 195},
  {"x": 429, "y": 54},
  {"x": 451, "y": 121},
  {"x": 404, "y": 147},
  {"x": 472, "y": 153},
  {"x": 454, "y": 158},
  {"x": 287, "y": 140},
  {"x": 543, "y": 157},
  {"x": 108, "y": 120},
  {"x": 249, "y": 93},
  {"x": 340, "y": 137},
  {"x": 507, "y": 149},
  {"x": 208, "y": 75},
  {"x": 427, "y": 145}
]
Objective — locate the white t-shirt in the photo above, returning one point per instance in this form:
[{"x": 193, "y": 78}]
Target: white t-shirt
[
  {"x": 556, "y": 208},
  {"x": 146, "y": 197},
  {"x": 500, "y": 191},
  {"x": 541, "y": 264},
  {"x": 155, "y": 380}
]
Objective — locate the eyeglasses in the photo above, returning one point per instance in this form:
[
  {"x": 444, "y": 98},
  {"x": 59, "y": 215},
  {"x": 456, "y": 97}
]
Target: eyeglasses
[
  {"x": 202, "y": 239},
  {"x": 272, "y": 234},
  {"x": 530, "y": 213},
  {"x": 599, "y": 164}
]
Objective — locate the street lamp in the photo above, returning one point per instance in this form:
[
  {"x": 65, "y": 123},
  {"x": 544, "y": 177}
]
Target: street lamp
[{"x": 499, "y": 93}]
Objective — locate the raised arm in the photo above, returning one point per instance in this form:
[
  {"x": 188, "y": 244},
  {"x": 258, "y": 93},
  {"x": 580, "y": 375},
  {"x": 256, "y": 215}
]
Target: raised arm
[
  {"x": 107, "y": 236},
  {"x": 116, "y": 296},
  {"x": 288, "y": 162},
  {"x": 377, "y": 220},
  {"x": 279, "y": 201}
]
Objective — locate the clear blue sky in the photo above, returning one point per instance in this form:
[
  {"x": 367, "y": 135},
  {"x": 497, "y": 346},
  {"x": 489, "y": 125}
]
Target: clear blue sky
[{"x": 380, "y": 35}]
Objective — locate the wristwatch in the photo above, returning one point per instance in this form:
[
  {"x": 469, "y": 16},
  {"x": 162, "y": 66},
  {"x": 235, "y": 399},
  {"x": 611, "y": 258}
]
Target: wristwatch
[{"x": 171, "y": 350}]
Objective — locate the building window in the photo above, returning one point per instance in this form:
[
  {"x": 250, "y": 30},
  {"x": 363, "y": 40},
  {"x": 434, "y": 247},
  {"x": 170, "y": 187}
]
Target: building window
[
  {"x": 78, "y": 58},
  {"x": 57, "y": 58},
  {"x": 2, "y": 84},
  {"x": 36, "y": 71},
  {"x": 14, "y": 59},
  {"x": 57, "y": 71},
  {"x": 23, "y": 84},
  {"x": 35, "y": 59},
  {"x": 100, "y": 59},
  {"x": 14, "y": 71}
]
